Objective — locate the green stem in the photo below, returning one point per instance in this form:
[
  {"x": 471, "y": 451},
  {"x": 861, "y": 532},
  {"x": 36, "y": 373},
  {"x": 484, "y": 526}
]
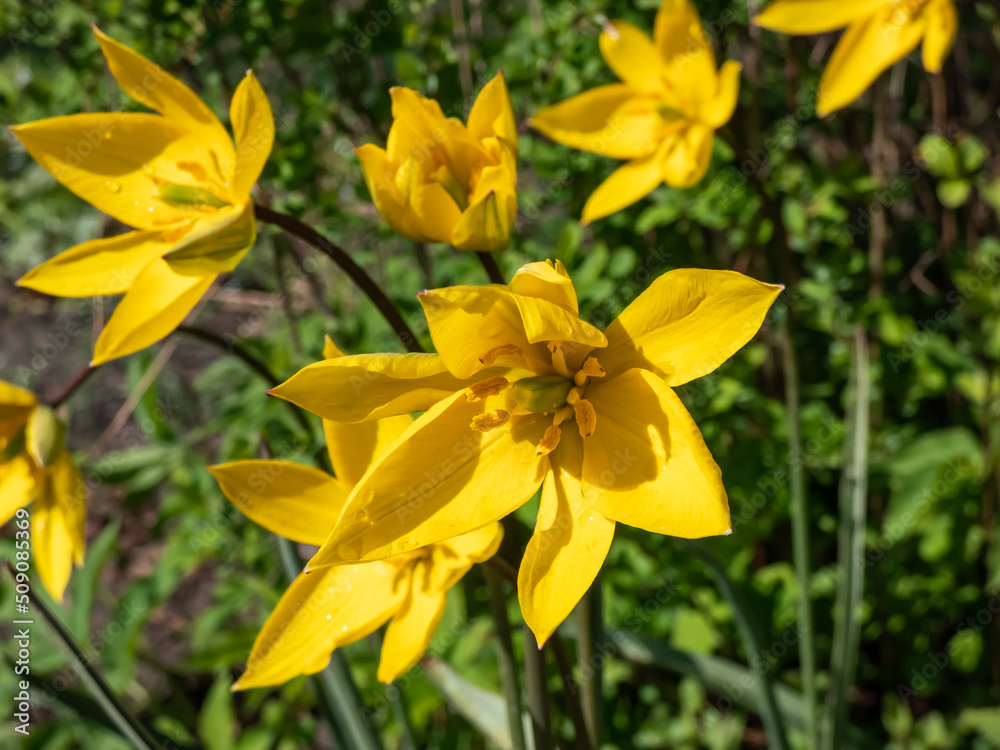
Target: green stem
[
  {"x": 397, "y": 699},
  {"x": 537, "y": 689},
  {"x": 113, "y": 708},
  {"x": 505, "y": 657},
  {"x": 571, "y": 692},
  {"x": 589, "y": 627}
]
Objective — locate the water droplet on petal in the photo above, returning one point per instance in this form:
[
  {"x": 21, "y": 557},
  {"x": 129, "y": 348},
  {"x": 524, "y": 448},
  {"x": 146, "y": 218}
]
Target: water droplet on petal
[
  {"x": 344, "y": 628},
  {"x": 114, "y": 187},
  {"x": 329, "y": 617}
]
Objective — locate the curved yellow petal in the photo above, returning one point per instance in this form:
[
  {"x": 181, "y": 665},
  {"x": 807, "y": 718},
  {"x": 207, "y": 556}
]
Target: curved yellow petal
[
  {"x": 628, "y": 184},
  {"x": 369, "y": 386},
  {"x": 815, "y": 16},
  {"x": 568, "y": 547},
  {"x": 153, "y": 87},
  {"x": 297, "y": 502},
  {"x": 411, "y": 629},
  {"x": 216, "y": 243},
  {"x": 546, "y": 280},
  {"x": 646, "y": 465},
  {"x": 716, "y": 111},
  {"x": 318, "y": 612},
  {"x": 867, "y": 48},
  {"x": 353, "y": 447},
  {"x": 467, "y": 322},
  {"x": 492, "y": 113},
  {"x": 632, "y": 55},
  {"x": 438, "y": 480},
  {"x": 97, "y": 267},
  {"x": 16, "y": 405},
  {"x": 19, "y": 485},
  {"x": 154, "y": 306},
  {"x": 58, "y": 520},
  {"x": 686, "y": 50},
  {"x": 483, "y": 226},
  {"x": 452, "y": 558},
  {"x": 941, "y": 20},
  {"x": 687, "y": 160},
  {"x": 101, "y": 157},
  {"x": 253, "y": 128},
  {"x": 610, "y": 120},
  {"x": 687, "y": 323}
]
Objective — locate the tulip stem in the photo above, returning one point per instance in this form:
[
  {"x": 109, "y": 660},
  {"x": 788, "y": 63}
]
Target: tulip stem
[
  {"x": 505, "y": 657},
  {"x": 589, "y": 627},
  {"x": 358, "y": 275},
  {"x": 536, "y": 686},
  {"x": 79, "y": 379},
  {"x": 492, "y": 269},
  {"x": 571, "y": 692}
]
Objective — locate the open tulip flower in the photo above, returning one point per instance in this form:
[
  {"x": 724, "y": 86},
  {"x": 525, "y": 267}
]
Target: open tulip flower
[
  {"x": 879, "y": 33},
  {"x": 176, "y": 177},
  {"x": 523, "y": 393},
  {"x": 36, "y": 467},
  {"x": 438, "y": 180},
  {"x": 662, "y": 116},
  {"x": 326, "y": 609}
]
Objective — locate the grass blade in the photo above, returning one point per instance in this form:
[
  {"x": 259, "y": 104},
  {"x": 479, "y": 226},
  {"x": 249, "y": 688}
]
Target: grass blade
[{"x": 505, "y": 655}]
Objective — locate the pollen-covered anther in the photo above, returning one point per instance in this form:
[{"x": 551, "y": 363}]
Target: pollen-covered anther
[
  {"x": 490, "y": 420},
  {"x": 549, "y": 440},
  {"x": 484, "y": 388},
  {"x": 504, "y": 350},
  {"x": 586, "y": 417},
  {"x": 592, "y": 368}
]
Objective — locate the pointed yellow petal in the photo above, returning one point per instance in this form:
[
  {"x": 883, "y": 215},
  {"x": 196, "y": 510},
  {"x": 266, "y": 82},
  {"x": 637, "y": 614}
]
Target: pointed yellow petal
[
  {"x": 253, "y": 127},
  {"x": 941, "y": 21},
  {"x": 19, "y": 484},
  {"x": 647, "y": 464},
  {"x": 815, "y": 16},
  {"x": 296, "y": 502},
  {"x": 868, "y": 47},
  {"x": 484, "y": 226},
  {"x": 153, "y": 87},
  {"x": 716, "y": 111},
  {"x": 453, "y": 558},
  {"x": 610, "y": 120},
  {"x": 317, "y": 613},
  {"x": 411, "y": 629},
  {"x": 155, "y": 305},
  {"x": 439, "y": 480},
  {"x": 632, "y": 55},
  {"x": 101, "y": 157},
  {"x": 628, "y": 184},
  {"x": 687, "y": 161},
  {"x": 687, "y": 323},
  {"x": 97, "y": 267},
  {"x": 689, "y": 61},
  {"x": 568, "y": 547},
  {"x": 492, "y": 113},
  {"x": 58, "y": 520},
  {"x": 216, "y": 243},
  {"x": 369, "y": 386},
  {"x": 547, "y": 281}
]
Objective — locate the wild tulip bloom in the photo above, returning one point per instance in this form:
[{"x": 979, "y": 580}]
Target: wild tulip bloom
[
  {"x": 324, "y": 610},
  {"x": 176, "y": 177},
  {"x": 438, "y": 180},
  {"x": 36, "y": 467},
  {"x": 662, "y": 116},
  {"x": 879, "y": 33},
  {"x": 523, "y": 393}
]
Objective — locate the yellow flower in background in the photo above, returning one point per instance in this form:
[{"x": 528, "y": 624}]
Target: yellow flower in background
[
  {"x": 662, "y": 116},
  {"x": 176, "y": 177},
  {"x": 879, "y": 33},
  {"x": 324, "y": 610},
  {"x": 438, "y": 180},
  {"x": 524, "y": 393},
  {"x": 36, "y": 467}
]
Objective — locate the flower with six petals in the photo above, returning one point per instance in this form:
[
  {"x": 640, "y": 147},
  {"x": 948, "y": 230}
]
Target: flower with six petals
[
  {"x": 438, "y": 180},
  {"x": 524, "y": 393},
  {"x": 879, "y": 33},
  {"x": 662, "y": 116},
  {"x": 324, "y": 610},
  {"x": 35, "y": 466},
  {"x": 176, "y": 177}
]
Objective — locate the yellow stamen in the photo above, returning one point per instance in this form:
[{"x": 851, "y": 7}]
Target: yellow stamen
[
  {"x": 586, "y": 417},
  {"x": 505, "y": 350},
  {"x": 562, "y": 415},
  {"x": 549, "y": 440},
  {"x": 574, "y": 395},
  {"x": 489, "y": 421},
  {"x": 489, "y": 387}
]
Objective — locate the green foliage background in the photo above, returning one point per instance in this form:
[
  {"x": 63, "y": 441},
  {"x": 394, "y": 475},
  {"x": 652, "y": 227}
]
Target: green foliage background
[{"x": 891, "y": 231}]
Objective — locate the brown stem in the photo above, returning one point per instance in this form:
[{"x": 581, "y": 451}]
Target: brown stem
[
  {"x": 79, "y": 379},
  {"x": 492, "y": 269}
]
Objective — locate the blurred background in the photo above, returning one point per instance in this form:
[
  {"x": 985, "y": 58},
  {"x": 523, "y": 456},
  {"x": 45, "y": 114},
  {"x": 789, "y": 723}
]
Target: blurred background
[{"x": 889, "y": 207}]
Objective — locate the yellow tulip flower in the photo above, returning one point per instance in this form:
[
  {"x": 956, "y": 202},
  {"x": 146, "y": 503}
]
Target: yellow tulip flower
[
  {"x": 879, "y": 33},
  {"x": 36, "y": 466},
  {"x": 524, "y": 393},
  {"x": 176, "y": 177},
  {"x": 662, "y": 116},
  {"x": 438, "y": 180},
  {"x": 325, "y": 610}
]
